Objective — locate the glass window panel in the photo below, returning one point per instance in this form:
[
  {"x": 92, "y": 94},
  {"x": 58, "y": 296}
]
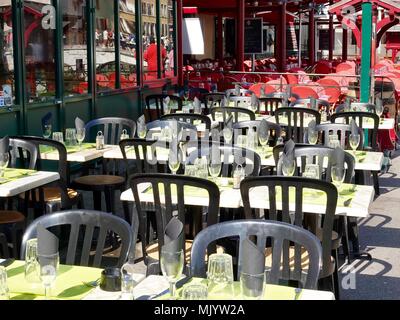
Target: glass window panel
[
  {"x": 168, "y": 39},
  {"x": 105, "y": 49},
  {"x": 7, "y": 55},
  {"x": 128, "y": 43},
  {"x": 150, "y": 49},
  {"x": 39, "y": 51},
  {"x": 75, "y": 47}
]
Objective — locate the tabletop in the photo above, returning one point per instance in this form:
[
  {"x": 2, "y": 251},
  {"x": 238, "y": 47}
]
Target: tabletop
[
  {"x": 25, "y": 180},
  {"x": 353, "y": 200}
]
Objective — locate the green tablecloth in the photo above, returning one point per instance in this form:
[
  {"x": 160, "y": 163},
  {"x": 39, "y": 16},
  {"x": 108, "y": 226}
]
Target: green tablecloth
[
  {"x": 15, "y": 174},
  {"x": 70, "y": 149},
  {"x": 272, "y": 292},
  {"x": 68, "y": 286}
]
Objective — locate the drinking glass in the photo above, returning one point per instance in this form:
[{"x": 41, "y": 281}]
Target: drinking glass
[
  {"x": 228, "y": 134},
  {"x": 48, "y": 271},
  {"x": 263, "y": 137},
  {"x": 4, "y": 292},
  {"x": 312, "y": 136},
  {"x": 70, "y": 137},
  {"x": 58, "y": 136},
  {"x": 174, "y": 161},
  {"x": 127, "y": 282},
  {"x": 311, "y": 171},
  {"x": 172, "y": 264},
  {"x": 80, "y": 136},
  {"x": 4, "y": 159},
  {"x": 252, "y": 287},
  {"x": 220, "y": 275},
  {"x": 47, "y": 130},
  {"x": 186, "y": 96},
  {"x": 354, "y": 142},
  {"x": 195, "y": 292},
  {"x": 288, "y": 168},
  {"x": 201, "y": 165},
  {"x": 142, "y": 130},
  {"x": 31, "y": 262},
  {"x": 214, "y": 168},
  {"x": 337, "y": 174},
  {"x": 379, "y": 109}
]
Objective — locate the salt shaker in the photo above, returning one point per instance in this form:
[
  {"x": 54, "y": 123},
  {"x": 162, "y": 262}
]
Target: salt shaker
[
  {"x": 99, "y": 141},
  {"x": 124, "y": 135}
]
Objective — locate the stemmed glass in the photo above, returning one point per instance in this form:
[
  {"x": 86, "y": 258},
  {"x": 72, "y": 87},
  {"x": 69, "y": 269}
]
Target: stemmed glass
[
  {"x": 253, "y": 107},
  {"x": 48, "y": 271},
  {"x": 228, "y": 134},
  {"x": 47, "y": 131},
  {"x": 337, "y": 174},
  {"x": 80, "y": 136},
  {"x": 172, "y": 264},
  {"x": 312, "y": 136},
  {"x": 174, "y": 161},
  {"x": 4, "y": 159},
  {"x": 354, "y": 142},
  {"x": 186, "y": 96},
  {"x": 214, "y": 168},
  {"x": 263, "y": 138},
  {"x": 379, "y": 110},
  {"x": 288, "y": 168},
  {"x": 141, "y": 130}
]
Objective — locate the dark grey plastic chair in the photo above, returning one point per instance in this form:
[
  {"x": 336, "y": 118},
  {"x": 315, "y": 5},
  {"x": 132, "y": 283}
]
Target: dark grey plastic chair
[
  {"x": 112, "y": 128},
  {"x": 280, "y": 234},
  {"x": 243, "y": 92},
  {"x": 4, "y": 252},
  {"x": 243, "y": 126},
  {"x": 158, "y": 101},
  {"x": 188, "y": 118},
  {"x": 296, "y": 126},
  {"x": 165, "y": 210},
  {"x": 236, "y": 112},
  {"x": 309, "y": 154},
  {"x": 243, "y": 102},
  {"x": 213, "y": 100},
  {"x": 23, "y": 154},
  {"x": 250, "y": 160},
  {"x": 363, "y": 107},
  {"x": 269, "y": 105},
  {"x": 94, "y": 222},
  {"x": 307, "y": 103}
]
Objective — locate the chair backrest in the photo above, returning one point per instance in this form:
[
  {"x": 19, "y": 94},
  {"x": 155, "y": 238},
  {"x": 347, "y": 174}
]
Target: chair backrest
[
  {"x": 169, "y": 200},
  {"x": 85, "y": 226},
  {"x": 238, "y": 113},
  {"x": 306, "y": 103},
  {"x": 190, "y": 118},
  {"x": 157, "y": 100},
  {"x": 4, "y": 251},
  {"x": 341, "y": 130},
  {"x": 279, "y": 233},
  {"x": 243, "y": 126},
  {"x": 158, "y": 125},
  {"x": 44, "y": 145},
  {"x": 359, "y": 117},
  {"x": 362, "y": 107},
  {"x": 243, "y": 92},
  {"x": 231, "y": 158},
  {"x": 112, "y": 128},
  {"x": 320, "y": 155},
  {"x": 269, "y": 105},
  {"x": 213, "y": 100},
  {"x": 285, "y": 197},
  {"x": 243, "y": 102},
  {"x": 23, "y": 154},
  {"x": 294, "y": 120}
]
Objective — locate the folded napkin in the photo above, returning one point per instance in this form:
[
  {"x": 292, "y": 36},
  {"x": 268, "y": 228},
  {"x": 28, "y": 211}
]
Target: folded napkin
[
  {"x": 173, "y": 236},
  {"x": 311, "y": 127},
  {"x": 47, "y": 119},
  {"x": 197, "y": 105},
  {"x": 354, "y": 127},
  {"x": 47, "y": 244},
  {"x": 338, "y": 158},
  {"x": 253, "y": 259},
  {"x": 79, "y": 124},
  {"x": 263, "y": 129},
  {"x": 262, "y": 91},
  {"x": 4, "y": 145},
  {"x": 288, "y": 153},
  {"x": 254, "y": 100},
  {"x": 225, "y": 102},
  {"x": 237, "y": 90},
  {"x": 166, "y": 102}
]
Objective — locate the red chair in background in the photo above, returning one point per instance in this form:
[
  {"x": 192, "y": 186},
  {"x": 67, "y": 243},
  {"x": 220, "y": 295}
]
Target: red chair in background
[
  {"x": 102, "y": 81},
  {"x": 304, "y": 92},
  {"x": 332, "y": 89}
]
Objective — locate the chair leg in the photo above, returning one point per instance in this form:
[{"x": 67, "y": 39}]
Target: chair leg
[
  {"x": 80, "y": 203},
  {"x": 376, "y": 182},
  {"x": 97, "y": 200},
  {"x": 110, "y": 200},
  {"x": 335, "y": 276}
]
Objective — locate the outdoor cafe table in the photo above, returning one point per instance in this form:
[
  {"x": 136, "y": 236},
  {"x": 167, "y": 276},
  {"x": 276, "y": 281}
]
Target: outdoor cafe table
[
  {"x": 353, "y": 201},
  {"x": 72, "y": 284},
  {"x": 87, "y": 153},
  {"x": 17, "y": 181}
]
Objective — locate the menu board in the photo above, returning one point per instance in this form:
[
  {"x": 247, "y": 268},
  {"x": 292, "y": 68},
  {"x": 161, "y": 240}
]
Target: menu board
[{"x": 253, "y": 36}]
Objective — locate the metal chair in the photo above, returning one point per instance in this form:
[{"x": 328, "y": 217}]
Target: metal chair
[
  {"x": 188, "y": 118},
  {"x": 243, "y": 126},
  {"x": 87, "y": 228},
  {"x": 280, "y": 234},
  {"x": 158, "y": 101},
  {"x": 238, "y": 113},
  {"x": 165, "y": 208},
  {"x": 59, "y": 196},
  {"x": 278, "y": 185},
  {"x": 232, "y": 157},
  {"x": 295, "y": 124},
  {"x": 112, "y": 128}
]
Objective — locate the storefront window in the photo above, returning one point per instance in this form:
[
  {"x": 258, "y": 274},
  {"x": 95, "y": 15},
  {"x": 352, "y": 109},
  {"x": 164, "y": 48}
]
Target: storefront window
[
  {"x": 128, "y": 43},
  {"x": 167, "y": 40},
  {"x": 105, "y": 45},
  {"x": 39, "y": 25},
  {"x": 7, "y": 56},
  {"x": 75, "y": 47}
]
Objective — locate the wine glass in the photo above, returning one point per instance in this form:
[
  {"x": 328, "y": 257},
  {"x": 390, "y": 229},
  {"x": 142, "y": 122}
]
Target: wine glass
[
  {"x": 354, "y": 142},
  {"x": 186, "y": 96},
  {"x": 228, "y": 134},
  {"x": 288, "y": 168},
  {"x": 337, "y": 174},
  {"x": 80, "y": 136},
  {"x": 214, "y": 168},
  {"x": 141, "y": 130},
  {"x": 263, "y": 138},
  {"x": 379, "y": 110},
  {"x": 48, "y": 271},
  {"x": 174, "y": 161},
  {"x": 312, "y": 136},
  {"x": 172, "y": 264},
  {"x": 4, "y": 159},
  {"x": 47, "y": 131}
]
